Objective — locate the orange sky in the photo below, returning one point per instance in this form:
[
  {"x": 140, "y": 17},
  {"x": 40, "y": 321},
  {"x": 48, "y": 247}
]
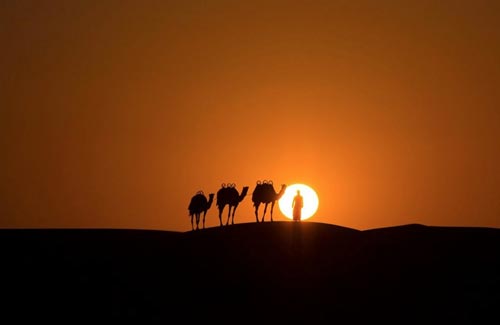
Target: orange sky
[{"x": 114, "y": 113}]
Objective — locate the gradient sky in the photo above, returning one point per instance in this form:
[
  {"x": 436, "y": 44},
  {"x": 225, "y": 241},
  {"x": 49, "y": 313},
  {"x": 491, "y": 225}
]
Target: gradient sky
[{"x": 114, "y": 113}]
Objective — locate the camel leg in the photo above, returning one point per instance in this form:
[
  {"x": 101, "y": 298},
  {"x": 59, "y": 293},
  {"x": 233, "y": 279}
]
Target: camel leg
[
  {"x": 204, "y": 214},
  {"x": 264, "y": 215},
  {"x": 257, "y": 212},
  {"x": 228, "y": 215},
  {"x": 232, "y": 216},
  {"x": 197, "y": 221},
  {"x": 192, "y": 226},
  {"x": 272, "y": 208},
  {"x": 220, "y": 215}
]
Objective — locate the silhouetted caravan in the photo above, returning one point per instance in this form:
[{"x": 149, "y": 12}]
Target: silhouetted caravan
[
  {"x": 264, "y": 193},
  {"x": 199, "y": 204},
  {"x": 228, "y": 195}
]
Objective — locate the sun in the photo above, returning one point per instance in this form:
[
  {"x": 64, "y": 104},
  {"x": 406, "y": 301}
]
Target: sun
[{"x": 310, "y": 199}]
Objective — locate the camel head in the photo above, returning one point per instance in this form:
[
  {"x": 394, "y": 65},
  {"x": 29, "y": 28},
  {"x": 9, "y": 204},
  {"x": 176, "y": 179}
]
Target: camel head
[
  {"x": 281, "y": 192},
  {"x": 210, "y": 200},
  {"x": 244, "y": 192}
]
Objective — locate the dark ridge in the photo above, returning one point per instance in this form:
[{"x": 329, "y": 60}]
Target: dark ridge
[
  {"x": 410, "y": 226},
  {"x": 276, "y": 226},
  {"x": 251, "y": 273}
]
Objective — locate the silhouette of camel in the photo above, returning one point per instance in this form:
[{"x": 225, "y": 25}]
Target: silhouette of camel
[
  {"x": 264, "y": 193},
  {"x": 228, "y": 195},
  {"x": 199, "y": 204}
]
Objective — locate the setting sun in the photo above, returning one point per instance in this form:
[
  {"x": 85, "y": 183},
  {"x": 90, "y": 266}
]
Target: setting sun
[{"x": 310, "y": 200}]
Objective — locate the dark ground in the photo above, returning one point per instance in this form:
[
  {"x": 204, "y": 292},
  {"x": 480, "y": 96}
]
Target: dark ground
[{"x": 277, "y": 272}]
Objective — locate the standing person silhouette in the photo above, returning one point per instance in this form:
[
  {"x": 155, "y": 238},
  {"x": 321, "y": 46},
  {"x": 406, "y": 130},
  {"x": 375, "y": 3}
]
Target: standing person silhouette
[{"x": 297, "y": 205}]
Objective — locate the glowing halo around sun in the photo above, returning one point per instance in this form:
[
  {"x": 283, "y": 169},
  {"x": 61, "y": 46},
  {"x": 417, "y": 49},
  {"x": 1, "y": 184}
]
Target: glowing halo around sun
[{"x": 309, "y": 196}]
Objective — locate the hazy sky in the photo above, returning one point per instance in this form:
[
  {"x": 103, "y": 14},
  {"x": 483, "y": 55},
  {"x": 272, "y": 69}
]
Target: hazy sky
[{"x": 114, "y": 113}]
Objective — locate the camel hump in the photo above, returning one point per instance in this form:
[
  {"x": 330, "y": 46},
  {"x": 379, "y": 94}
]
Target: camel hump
[
  {"x": 222, "y": 194},
  {"x": 197, "y": 201},
  {"x": 227, "y": 194},
  {"x": 222, "y": 191},
  {"x": 269, "y": 190},
  {"x": 257, "y": 192},
  {"x": 199, "y": 197}
]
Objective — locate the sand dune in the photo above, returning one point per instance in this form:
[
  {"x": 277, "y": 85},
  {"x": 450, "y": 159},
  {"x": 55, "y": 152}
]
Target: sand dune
[{"x": 247, "y": 273}]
